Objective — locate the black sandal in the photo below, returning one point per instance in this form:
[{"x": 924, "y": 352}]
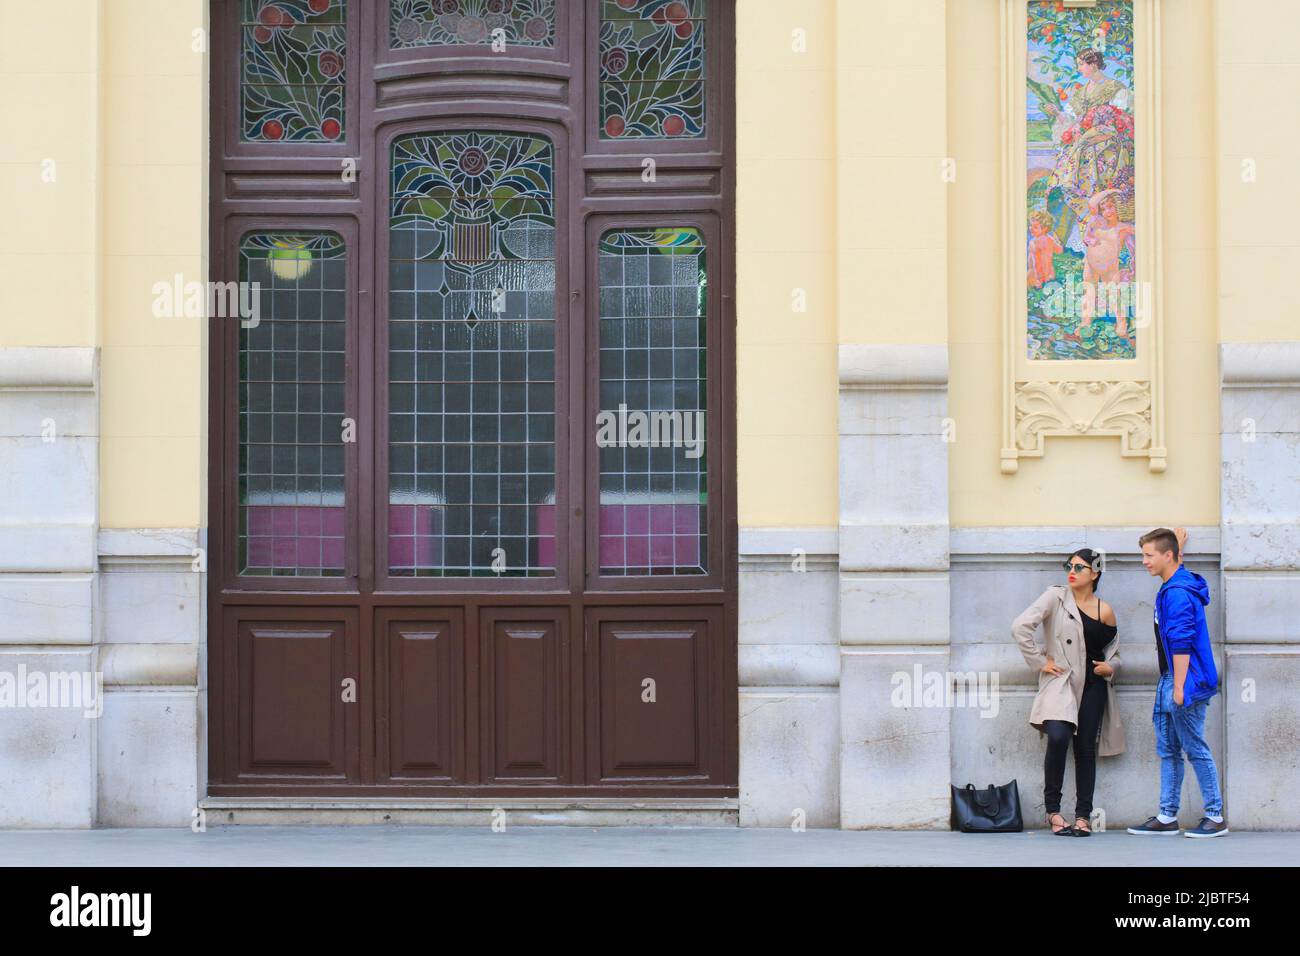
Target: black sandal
[
  {"x": 1084, "y": 832},
  {"x": 1066, "y": 829}
]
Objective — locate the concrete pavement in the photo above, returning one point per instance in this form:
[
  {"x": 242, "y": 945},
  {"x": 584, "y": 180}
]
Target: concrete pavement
[{"x": 625, "y": 846}]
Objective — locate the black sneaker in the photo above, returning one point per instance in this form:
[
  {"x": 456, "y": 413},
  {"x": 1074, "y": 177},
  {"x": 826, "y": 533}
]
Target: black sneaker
[
  {"x": 1208, "y": 828},
  {"x": 1154, "y": 827}
]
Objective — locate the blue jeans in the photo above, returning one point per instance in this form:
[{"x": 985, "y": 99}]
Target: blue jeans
[{"x": 1181, "y": 730}]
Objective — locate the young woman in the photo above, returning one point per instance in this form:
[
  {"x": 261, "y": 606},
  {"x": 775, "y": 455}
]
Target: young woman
[{"x": 1076, "y": 684}]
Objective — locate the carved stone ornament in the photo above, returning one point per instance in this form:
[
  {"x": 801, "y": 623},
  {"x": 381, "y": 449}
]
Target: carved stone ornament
[{"x": 1083, "y": 408}]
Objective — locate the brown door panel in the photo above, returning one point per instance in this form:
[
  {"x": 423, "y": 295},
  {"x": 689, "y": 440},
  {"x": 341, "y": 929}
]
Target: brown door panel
[
  {"x": 289, "y": 670},
  {"x": 420, "y": 695},
  {"x": 656, "y": 704},
  {"x": 525, "y": 691}
]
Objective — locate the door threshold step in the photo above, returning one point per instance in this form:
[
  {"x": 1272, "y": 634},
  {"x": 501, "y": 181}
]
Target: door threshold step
[{"x": 473, "y": 811}]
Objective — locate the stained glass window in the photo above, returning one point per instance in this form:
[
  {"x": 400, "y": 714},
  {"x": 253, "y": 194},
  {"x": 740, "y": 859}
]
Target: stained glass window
[
  {"x": 293, "y": 70},
  {"x": 653, "y": 402},
  {"x": 416, "y": 23},
  {"x": 651, "y": 68},
  {"x": 472, "y": 355},
  {"x": 291, "y": 405}
]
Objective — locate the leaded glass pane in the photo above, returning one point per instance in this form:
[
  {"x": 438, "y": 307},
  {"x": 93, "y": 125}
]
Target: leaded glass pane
[
  {"x": 472, "y": 356},
  {"x": 653, "y": 402},
  {"x": 293, "y": 70},
  {"x": 417, "y": 23},
  {"x": 652, "y": 68},
  {"x": 291, "y": 405}
]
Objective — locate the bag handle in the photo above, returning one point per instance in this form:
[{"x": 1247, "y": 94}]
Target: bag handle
[{"x": 991, "y": 803}]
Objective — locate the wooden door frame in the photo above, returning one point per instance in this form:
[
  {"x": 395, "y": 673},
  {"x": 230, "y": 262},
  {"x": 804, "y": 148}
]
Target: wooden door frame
[{"x": 259, "y": 184}]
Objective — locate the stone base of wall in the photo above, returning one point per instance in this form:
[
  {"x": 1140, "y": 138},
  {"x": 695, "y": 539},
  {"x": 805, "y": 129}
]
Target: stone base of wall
[
  {"x": 554, "y": 811},
  {"x": 1260, "y": 507},
  {"x": 49, "y": 444},
  {"x": 789, "y": 678},
  {"x": 151, "y": 643},
  {"x": 100, "y": 631},
  {"x": 802, "y": 745}
]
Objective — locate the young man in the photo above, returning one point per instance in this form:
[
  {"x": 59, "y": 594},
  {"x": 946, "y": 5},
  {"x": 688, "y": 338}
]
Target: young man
[{"x": 1188, "y": 679}]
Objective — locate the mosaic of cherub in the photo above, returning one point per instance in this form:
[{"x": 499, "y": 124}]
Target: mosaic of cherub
[
  {"x": 1108, "y": 256},
  {"x": 1043, "y": 244}
]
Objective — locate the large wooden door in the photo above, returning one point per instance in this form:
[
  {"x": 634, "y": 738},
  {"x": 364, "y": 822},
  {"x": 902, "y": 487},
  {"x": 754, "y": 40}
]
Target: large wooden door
[{"x": 472, "y": 433}]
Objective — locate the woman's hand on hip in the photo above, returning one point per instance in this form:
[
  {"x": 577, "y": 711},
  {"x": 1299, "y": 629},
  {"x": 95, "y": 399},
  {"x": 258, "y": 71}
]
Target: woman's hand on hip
[{"x": 1051, "y": 668}]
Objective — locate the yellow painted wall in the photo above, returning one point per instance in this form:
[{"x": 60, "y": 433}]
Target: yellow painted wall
[
  {"x": 152, "y": 457},
  {"x": 787, "y": 393},
  {"x": 49, "y": 68},
  {"x": 891, "y": 213},
  {"x": 838, "y": 194},
  {"x": 1258, "y": 83},
  {"x": 1085, "y": 481},
  {"x": 113, "y": 95}
]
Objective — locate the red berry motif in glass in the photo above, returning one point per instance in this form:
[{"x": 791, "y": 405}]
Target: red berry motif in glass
[
  {"x": 651, "y": 69},
  {"x": 292, "y": 70}
]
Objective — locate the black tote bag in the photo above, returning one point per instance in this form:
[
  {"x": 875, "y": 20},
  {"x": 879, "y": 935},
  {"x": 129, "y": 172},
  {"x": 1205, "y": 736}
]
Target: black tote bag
[{"x": 994, "y": 810}]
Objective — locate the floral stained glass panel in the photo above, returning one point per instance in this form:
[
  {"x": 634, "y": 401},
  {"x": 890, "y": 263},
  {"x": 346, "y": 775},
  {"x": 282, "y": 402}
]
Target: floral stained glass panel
[
  {"x": 417, "y": 23},
  {"x": 293, "y": 67},
  {"x": 652, "y": 68},
  {"x": 471, "y": 328},
  {"x": 653, "y": 402},
  {"x": 1082, "y": 294},
  {"x": 292, "y": 374}
]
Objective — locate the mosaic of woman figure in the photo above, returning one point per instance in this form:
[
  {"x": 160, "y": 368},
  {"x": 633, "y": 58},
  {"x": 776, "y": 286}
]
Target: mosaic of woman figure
[{"x": 1094, "y": 138}]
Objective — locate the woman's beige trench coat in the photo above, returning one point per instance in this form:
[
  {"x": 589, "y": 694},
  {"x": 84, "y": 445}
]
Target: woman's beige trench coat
[{"x": 1059, "y": 694}]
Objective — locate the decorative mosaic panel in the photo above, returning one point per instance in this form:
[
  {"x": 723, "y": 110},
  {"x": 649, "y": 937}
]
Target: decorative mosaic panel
[
  {"x": 1081, "y": 258},
  {"x": 293, "y": 70},
  {"x": 472, "y": 356},
  {"x": 652, "y": 68},
  {"x": 291, "y": 406},
  {"x": 653, "y": 402},
  {"x": 506, "y": 23}
]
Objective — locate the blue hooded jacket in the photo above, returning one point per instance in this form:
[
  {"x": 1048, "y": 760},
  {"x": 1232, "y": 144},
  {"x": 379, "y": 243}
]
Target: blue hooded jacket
[{"x": 1180, "y": 617}]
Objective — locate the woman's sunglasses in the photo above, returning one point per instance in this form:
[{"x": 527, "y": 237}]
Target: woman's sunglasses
[{"x": 1076, "y": 568}]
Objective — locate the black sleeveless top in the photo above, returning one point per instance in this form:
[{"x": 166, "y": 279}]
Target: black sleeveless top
[{"x": 1096, "y": 635}]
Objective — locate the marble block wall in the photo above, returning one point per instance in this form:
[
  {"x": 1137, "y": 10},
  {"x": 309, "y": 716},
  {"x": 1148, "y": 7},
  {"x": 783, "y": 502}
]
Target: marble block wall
[
  {"x": 1260, "y": 514},
  {"x": 49, "y": 461},
  {"x": 893, "y": 583},
  {"x": 789, "y": 678},
  {"x": 152, "y": 641},
  {"x": 120, "y": 612}
]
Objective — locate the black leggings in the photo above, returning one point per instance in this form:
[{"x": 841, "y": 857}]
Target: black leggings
[{"x": 1059, "y": 734}]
